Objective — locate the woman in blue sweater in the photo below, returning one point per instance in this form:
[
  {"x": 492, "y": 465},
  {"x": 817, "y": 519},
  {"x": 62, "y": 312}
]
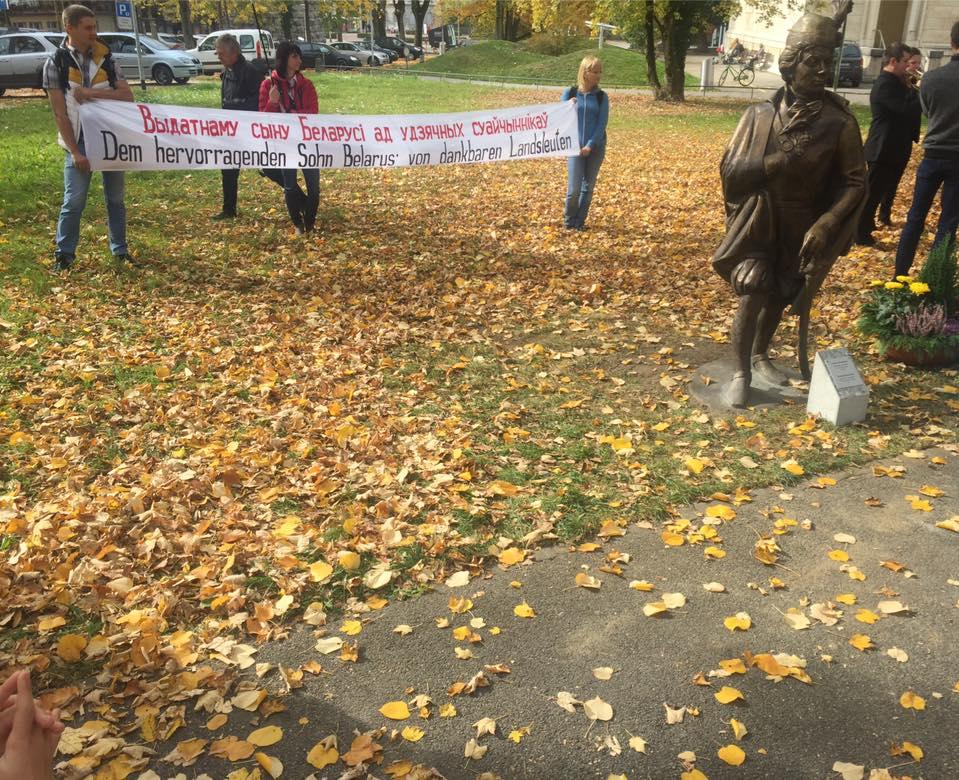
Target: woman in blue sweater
[{"x": 592, "y": 111}]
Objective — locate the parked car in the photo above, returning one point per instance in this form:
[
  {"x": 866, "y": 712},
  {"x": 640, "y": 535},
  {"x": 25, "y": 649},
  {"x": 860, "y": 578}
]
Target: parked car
[
  {"x": 161, "y": 63},
  {"x": 171, "y": 40},
  {"x": 366, "y": 56},
  {"x": 319, "y": 55},
  {"x": 256, "y": 45},
  {"x": 22, "y": 57},
  {"x": 401, "y": 47},
  {"x": 393, "y": 56},
  {"x": 850, "y": 64}
]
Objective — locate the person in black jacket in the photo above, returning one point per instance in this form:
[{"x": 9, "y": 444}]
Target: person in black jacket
[
  {"x": 896, "y": 116},
  {"x": 239, "y": 91}
]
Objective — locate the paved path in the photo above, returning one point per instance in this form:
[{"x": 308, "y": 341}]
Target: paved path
[{"x": 847, "y": 710}]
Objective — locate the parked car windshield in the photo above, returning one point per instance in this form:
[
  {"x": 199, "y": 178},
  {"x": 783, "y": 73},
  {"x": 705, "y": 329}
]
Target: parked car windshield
[{"x": 154, "y": 42}]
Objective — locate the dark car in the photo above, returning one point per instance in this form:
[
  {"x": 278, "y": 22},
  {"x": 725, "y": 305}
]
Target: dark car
[
  {"x": 319, "y": 55},
  {"x": 850, "y": 64},
  {"x": 401, "y": 47}
]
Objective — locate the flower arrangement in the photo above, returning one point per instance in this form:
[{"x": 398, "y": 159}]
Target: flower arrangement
[{"x": 917, "y": 316}]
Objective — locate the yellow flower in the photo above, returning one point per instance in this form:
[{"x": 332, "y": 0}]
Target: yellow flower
[
  {"x": 902, "y": 278},
  {"x": 876, "y": 283},
  {"x": 893, "y": 285},
  {"x": 919, "y": 288}
]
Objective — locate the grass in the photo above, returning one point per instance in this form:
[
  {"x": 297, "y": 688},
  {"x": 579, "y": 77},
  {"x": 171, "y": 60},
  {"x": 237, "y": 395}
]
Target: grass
[
  {"x": 513, "y": 61},
  {"x": 391, "y": 246}
]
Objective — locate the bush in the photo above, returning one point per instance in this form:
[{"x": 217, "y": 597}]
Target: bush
[
  {"x": 939, "y": 272},
  {"x": 555, "y": 44}
]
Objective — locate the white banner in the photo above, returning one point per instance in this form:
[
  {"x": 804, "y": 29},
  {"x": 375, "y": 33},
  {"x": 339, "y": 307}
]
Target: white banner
[{"x": 152, "y": 137}]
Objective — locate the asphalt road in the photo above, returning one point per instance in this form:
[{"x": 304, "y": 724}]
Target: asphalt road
[{"x": 849, "y": 710}]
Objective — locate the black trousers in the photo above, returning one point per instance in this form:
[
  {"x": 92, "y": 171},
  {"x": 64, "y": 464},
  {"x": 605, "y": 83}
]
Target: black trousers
[
  {"x": 883, "y": 178},
  {"x": 231, "y": 179}
]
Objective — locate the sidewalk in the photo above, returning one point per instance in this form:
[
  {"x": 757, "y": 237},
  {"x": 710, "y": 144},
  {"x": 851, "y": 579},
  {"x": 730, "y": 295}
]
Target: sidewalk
[{"x": 836, "y": 703}]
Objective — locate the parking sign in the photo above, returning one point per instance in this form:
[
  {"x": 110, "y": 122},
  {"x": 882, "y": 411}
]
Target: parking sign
[{"x": 124, "y": 16}]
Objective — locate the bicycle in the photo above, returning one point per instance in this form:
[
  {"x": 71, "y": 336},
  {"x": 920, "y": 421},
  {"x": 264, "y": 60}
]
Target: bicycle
[{"x": 745, "y": 74}]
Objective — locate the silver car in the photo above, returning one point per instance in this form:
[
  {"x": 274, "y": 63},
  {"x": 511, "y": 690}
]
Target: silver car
[
  {"x": 161, "y": 63},
  {"x": 365, "y": 55},
  {"x": 22, "y": 57}
]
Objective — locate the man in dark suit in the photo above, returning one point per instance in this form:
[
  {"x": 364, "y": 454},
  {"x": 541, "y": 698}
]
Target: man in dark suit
[{"x": 895, "y": 126}]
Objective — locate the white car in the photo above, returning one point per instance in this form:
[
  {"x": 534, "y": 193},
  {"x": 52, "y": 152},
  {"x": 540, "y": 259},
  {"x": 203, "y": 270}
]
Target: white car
[
  {"x": 22, "y": 57},
  {"x": 160, "y": 63},
  {"x": 254, "y": 45},
  {"x": 365, "y": 55}
]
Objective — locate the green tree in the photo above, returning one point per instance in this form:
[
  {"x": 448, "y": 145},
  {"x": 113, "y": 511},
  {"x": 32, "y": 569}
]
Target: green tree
[{"x": 674, "y": 25}]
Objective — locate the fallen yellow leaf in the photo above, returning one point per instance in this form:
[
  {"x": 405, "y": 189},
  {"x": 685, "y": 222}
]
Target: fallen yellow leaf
[
  {"x": 511, "y": 556},
  {"x": 395, "y": 710},
  {"x": 727, "y": 695},
  {"x": 266, "y": 736},
  {"x": 739, "y": 728},
  {"x": 732, "y": 755},
  {"x": 912, "y": 701},
  {"x": 524, "y": 610},
  {"x": 740, "y": 621},
  {"x": 861, "y": 642},
  {"x": 412, "y": 734}
]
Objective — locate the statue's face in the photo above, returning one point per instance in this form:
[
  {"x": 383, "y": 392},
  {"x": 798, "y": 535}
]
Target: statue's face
[{"x": 812, "y": 72}]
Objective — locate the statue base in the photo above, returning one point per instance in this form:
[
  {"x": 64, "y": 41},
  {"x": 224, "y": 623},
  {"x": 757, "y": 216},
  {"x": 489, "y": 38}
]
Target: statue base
[{"x": 709, "y": 383}]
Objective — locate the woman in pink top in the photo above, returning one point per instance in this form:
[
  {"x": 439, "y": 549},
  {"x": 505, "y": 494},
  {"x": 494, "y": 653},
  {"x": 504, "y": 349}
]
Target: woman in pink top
[{"x": 289, "y": 91}]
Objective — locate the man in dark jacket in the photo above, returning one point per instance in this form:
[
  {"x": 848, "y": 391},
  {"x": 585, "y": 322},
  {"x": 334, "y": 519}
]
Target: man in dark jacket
[
  {"x": 939, "y": 94},
  {"x": 239, "y": 91},
  {"x": 895, "y": 126}
]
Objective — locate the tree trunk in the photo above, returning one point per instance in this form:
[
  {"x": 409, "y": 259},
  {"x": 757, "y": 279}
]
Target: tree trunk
[
  {"x": 286, "y": 22},
  {"x": 306, "y": 19},
  {"x": 379, "y": 19},
  {"x": 399, "y": 8},
  {"x": 508, "y": 20},
  {"x": 420, "y": 7},
  {"x": 676, "y": 26},
  {"x": 186, "y": 24},
  {"x": 652, "y": 75}
]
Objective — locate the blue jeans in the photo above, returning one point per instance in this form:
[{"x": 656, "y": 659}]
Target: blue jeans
[
  {"x": 302, "y": 206},
  {"x": 581, "y": 180},
  {"x": 76, "y": 185},
  {"x": 931, "y": 175}
]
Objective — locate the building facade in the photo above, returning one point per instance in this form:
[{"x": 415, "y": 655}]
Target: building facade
[{"x": 873, "y": 24}]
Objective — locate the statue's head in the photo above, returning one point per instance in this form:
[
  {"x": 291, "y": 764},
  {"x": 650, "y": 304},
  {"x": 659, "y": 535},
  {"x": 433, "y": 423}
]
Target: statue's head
[{"x": 806, "y": 61}]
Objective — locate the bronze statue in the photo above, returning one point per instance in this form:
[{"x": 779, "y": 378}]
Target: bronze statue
[{"x": 794, "y": 181}]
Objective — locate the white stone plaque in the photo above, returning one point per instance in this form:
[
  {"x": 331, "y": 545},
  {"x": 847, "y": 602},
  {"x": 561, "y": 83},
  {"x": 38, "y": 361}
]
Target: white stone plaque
[{"x": 837, "y": 392}]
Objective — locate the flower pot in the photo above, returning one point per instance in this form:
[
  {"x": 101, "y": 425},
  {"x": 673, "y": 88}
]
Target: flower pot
[{"x": 944, "y": 356}]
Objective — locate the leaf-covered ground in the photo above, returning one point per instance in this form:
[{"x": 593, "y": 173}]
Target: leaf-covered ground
[{"x": 256, "y": 430}]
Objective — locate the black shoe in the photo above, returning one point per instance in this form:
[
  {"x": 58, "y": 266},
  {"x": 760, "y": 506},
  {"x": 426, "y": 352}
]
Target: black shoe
[
  {"x": 885, "y": 221},
  {"x": 866, "y": 240},
  {"x": 128, "y": 259},
  {"x": 63, "y": 263},
  {"x": 224, "y": 215}
]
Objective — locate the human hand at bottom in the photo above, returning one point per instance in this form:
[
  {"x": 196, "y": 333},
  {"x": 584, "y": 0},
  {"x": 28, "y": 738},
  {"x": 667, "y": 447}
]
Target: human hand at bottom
[
  {"x": 29, "y": 735},
  {"x": 584, "y": 152}
]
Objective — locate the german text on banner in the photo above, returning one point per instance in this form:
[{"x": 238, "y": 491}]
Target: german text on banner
[{"x": 153, "y": 137}]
